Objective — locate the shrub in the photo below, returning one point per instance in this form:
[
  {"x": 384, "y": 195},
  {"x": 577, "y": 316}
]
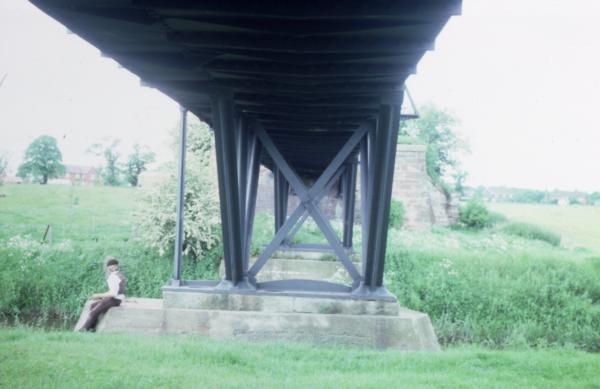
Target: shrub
[
  {"x": 397, "y": 213},
  {"x": 474, "y": 215},
  {"x": 49, "y": 283},
  {"x": 531, "y": 231},
  {"x": 202, "y": 231},
  {"x": 498, "y": 300}
]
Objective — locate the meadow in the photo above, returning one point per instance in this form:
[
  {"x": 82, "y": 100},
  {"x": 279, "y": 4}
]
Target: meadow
[
  {"x": 36, "y": 359},
  {"x": 506, "y": 308},
  {"x": 579, "y": 225}
]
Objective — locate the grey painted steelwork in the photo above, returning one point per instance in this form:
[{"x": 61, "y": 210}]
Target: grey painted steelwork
[
  {"x": 229, "y": 189},
  {"x": 251, "y": 191},
  {"x": 349, "y": 196},
  {"x": 281, "y": 195},
  {"x": 301, "y": 88},
  {"x": 309, "y": 204},
  {"x": 378, "y": 203},
  {"x": 178, "y": 250}
]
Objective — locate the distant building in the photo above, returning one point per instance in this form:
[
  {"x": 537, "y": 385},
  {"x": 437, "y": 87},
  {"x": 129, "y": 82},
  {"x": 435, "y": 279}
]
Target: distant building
[
  {"x": 80, "y": 175},
  {"x": 12, "y": 180}
]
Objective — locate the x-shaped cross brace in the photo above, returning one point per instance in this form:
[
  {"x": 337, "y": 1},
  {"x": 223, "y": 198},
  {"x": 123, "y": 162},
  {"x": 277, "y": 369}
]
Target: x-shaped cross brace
[{"x": 310, "y": 198}]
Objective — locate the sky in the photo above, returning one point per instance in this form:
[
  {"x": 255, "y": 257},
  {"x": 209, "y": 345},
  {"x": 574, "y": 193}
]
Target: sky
[{"x": 521, "y": 76}]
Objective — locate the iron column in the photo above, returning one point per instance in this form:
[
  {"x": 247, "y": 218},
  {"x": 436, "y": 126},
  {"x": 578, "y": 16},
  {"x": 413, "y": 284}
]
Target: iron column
[{"x": 176, "y": 281}]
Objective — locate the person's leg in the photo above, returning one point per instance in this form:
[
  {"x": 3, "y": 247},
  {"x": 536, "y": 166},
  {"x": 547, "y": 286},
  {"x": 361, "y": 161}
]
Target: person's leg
[
  {"x": 95, "y": 304},
  {"x": 98, "y": 308}
]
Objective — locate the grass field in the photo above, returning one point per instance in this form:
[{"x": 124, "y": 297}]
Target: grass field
[
  {"x": 578, "y": 225},
  {"x": 77, "y": 213},
  {"x": 35, "y": 359},
  {"x": 508, "y": 311}
]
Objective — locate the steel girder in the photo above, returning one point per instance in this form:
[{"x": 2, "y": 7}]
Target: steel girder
[{"x": 239, "y": 142}]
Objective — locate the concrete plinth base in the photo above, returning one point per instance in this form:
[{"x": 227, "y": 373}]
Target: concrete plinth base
[{"x": 374, "y": 324}]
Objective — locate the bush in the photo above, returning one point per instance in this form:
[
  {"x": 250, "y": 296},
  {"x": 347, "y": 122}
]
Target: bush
[
  {"x": 474, "y": 215},
  {"x": 202, "y": 229},
  {"x": 531, "y": 231},
  {"x": 49, "y": 283},
  {"x": 498, "y": 301},
  {"x": 397, "y": 213}
]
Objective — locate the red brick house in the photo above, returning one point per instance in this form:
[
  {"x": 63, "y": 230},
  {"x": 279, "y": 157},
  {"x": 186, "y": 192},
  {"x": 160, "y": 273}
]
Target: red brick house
[{"x": 78, "y": 175}]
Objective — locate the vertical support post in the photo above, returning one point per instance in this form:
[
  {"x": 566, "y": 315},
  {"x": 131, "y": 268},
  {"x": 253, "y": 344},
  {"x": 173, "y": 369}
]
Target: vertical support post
[
  {"x": 177, "y": 257},
  {"x": 229, "y": 190},
  {"x": 286, "y": 195},
  {"x": 276, "y": 199},
  {"x": 380, "y": 183},
  {"x": 242, "y": 163},
  {"x": 254, "y": 148},
  {"x": 364, "y": 197},
  {"x": 281, "y": 190},
  {"x": 349, "y": 202}
]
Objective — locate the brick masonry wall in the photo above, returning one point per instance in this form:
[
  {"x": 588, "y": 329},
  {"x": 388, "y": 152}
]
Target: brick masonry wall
[
  {"x": 331, "y": 204},
  {"x": 425, "y": 204}
]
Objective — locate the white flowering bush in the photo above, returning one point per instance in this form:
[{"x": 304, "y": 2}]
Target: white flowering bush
[{"x": 156, "y": 224}]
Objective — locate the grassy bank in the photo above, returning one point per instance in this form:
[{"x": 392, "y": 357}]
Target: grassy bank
[
  {"x": 579, "y": 225},
  {"x": 48, "y": 283},
  {"x": 76, "y": 213},
  {"x": 34, "y": 359},
  {"x": 490, "y": 287},
  {"x": 497, "y": 290}
]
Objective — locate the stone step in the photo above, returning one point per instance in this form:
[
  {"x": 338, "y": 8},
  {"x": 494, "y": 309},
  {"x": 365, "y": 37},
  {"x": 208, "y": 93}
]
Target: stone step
[
  {"x": 409, "y": 331},
  {"x": 134, "y": 315},
  {"x": 310, "y": 269},
  {"x": 194, "y": 298}
]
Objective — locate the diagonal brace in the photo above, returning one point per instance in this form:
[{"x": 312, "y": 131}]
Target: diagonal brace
[{"x": 308, "y": 197}]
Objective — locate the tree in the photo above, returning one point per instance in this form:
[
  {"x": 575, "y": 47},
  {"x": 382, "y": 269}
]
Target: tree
[
  {"x": 201, "y": 212},
  {"x": 459, "y": 182},
  {"x": 43, "y": 160},
  {"x": 437, "y": 129},
  {"x": 137, "y": 162},
  {"x": 108, "y": 150}
]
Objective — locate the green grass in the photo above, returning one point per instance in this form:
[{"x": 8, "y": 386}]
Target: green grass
[
  {"x": 578, "y": 225},
  {"x": 484, "y": 287},
  {"x": 49, "y": 283},
  {"x": 35, "y": 359},
  {"x": 497, "y": 289},
  {"x": 79, "y": 213},
  {"x": 532, "y": 231}
]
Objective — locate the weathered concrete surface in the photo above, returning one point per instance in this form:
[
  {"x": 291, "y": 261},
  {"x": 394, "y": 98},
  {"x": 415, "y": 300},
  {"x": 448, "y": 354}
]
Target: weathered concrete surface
[
  {"x": 407, "y": 331},
  {"x": 283, "y": 304},
  {"x": 404, "y": 330},
  {"x": 134, "y": 315}
]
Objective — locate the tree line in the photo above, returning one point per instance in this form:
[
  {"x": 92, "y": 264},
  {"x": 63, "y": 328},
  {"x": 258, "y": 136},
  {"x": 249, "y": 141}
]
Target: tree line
[{"x": 43, "y": 161}]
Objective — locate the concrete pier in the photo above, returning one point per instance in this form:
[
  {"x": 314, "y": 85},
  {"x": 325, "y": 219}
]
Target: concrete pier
[{"x": 342, "y": 322}]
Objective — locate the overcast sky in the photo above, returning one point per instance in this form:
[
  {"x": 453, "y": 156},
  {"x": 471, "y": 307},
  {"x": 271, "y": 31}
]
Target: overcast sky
[{"x": 522, "y": 76}]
